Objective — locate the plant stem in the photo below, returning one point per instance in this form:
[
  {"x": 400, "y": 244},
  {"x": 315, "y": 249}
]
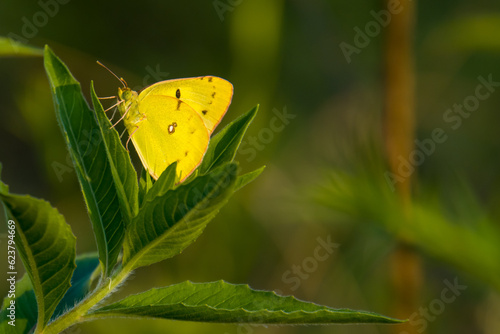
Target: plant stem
[
  {"x": 77, "y": 314},
  {"x": 399, "y": 94},
  {"x": 399, "y": 129}
]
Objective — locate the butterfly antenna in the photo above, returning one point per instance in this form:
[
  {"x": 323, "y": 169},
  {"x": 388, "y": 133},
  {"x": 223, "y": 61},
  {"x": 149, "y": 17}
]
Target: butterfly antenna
[{"x": 124, "y": 83}]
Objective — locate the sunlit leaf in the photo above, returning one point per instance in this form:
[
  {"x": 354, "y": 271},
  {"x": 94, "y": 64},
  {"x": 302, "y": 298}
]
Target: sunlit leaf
[
  {"x": 88, "y": 152},
  {"x": 228, "y": 303},
  {"x": 47, "y": 248},
  {"x": 166, "y": 225}
]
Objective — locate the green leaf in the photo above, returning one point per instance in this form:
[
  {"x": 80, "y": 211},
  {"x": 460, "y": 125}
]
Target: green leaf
[
  {"x": 228, "y": 303},
  {"x": 223, "y": 146},
  {"x": 86, "y": 264},
  {"x": 165, "y": 182},
  {"x": 124, "y": 174},
  {"x": 166, "y": 225},
  {"x": 3, "y": 187},
  {"x": 88, "y": 152},
  {"x": 25, "y": 301},
  {"x": 47, "y": 249},
  {"x": 465, "y": 34},
  {"x": 25, "y": 309},
  {"x": 10, "y": 48},
  {"x": 245, "y": 179},
  {"x": 145, "y": 183},
  {"x": 365, "y": 196}
]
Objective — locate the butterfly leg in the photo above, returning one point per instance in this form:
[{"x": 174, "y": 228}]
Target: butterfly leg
[
  {"x": 107, "y": 97},
  {"x": 130, "y": 137},
  {"x": 114, "y": 105},
  {"x": 114, "y": 113},
  {"x": 123, "y": 116},
  {"x": 116, "y": 109}
]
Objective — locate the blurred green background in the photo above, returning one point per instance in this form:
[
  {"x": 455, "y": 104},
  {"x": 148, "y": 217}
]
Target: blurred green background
[{"x": 285, "y": 56}]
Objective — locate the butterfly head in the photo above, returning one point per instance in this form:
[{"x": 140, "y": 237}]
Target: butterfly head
[
  {"x": 128, "y": 100},
  {"x": 126, "y": 94}
]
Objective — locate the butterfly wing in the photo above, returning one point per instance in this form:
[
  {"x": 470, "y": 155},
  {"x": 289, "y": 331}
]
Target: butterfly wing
[
  {"x": 209, "y": 96},
  {"x": 170, "y": 130}
]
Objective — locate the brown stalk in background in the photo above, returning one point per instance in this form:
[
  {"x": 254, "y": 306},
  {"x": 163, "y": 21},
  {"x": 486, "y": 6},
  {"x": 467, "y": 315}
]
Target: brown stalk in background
[{"x": 399, "y": 123}]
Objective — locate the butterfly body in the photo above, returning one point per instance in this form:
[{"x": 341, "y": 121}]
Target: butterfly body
[{"x": 172, "y": 121}]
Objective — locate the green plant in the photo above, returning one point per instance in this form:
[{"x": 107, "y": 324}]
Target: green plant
[{"x": 135, "y": 224}]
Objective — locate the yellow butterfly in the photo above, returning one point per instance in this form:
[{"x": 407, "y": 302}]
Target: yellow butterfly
[{"x": 172, "y": 120}]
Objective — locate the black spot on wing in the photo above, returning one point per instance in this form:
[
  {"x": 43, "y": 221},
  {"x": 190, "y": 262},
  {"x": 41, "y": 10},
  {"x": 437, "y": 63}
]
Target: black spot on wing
[
  {"x": 178, "y": 94},
  {"x": 213, "y": 94},
  {"x": 210, "y": 79},
  {"x": 186, "y": 153},
  {"x": 204, "y": 112}
]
